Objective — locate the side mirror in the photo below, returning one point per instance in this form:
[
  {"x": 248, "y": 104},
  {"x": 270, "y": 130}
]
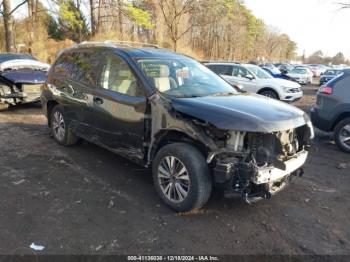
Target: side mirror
[
  {"x": 238, "y": 87},
  {"x": 250, "y": 77}
]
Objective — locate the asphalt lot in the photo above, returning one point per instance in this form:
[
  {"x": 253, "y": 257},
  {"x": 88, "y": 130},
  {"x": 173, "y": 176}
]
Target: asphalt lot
[{"x": 86, "y": 200}]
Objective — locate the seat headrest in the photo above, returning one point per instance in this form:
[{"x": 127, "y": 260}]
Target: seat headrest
[{"x": 163, "y": 71}]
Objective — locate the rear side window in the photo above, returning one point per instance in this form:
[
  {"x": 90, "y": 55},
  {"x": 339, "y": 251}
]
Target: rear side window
[
  {"x": 221, "y": 69},
  {"x": 82, "y": 67},
  {"x": 65, "y": 64}
]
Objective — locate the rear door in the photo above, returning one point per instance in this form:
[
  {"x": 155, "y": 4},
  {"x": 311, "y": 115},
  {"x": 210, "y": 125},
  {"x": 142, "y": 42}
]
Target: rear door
[
  {"x": 70, "y": 93},
  {"x": 118, "y": 107}
]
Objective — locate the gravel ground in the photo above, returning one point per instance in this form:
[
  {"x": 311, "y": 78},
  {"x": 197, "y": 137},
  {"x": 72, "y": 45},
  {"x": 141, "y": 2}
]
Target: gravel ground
[{"x": 86, "y": 200}]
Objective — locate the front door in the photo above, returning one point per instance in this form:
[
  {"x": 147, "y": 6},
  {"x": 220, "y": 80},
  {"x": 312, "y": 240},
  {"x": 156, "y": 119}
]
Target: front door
[{"x": 119, "y": 105}]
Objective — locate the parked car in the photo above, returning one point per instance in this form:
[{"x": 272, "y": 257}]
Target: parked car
[
  {"x": 21, "y": 76},
  {"x": 277, "y": 74},
  {"x": 329, "y": 75},
  {"x": 284, "y": 68},
  {"x": 332, "y": 110},
  {"x": 165, "y": 110},
  {"x": 256, "y": 80},
  {"x": 301, "y": 74},
  {"x": 316, "y": 70}
]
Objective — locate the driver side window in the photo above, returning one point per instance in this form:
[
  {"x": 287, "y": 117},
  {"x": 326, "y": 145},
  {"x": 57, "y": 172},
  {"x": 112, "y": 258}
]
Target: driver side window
[{"x": 239, "y": 71}]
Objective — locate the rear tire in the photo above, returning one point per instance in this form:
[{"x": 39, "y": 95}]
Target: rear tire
[
  {"x": 3, "y": 106},
  {"x": 269, "y": 93},
  {"x": 181, "y": 177},
  {"x": 342, "y": 135},
  {"x": 60, "y": 127}
]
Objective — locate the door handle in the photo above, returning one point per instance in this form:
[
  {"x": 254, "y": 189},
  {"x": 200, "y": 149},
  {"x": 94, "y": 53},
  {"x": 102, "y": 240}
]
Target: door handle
[{"x": 98, "y": 100}]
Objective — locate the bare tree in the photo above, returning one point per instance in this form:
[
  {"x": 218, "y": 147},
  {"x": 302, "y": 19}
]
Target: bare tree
[
  {"x": 6, "y": 13},
  {"x": 174, "y": 11}
]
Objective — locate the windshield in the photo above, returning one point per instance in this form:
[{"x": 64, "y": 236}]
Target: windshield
[
  {"x": 301, "y": 71},
  {"x": 260, "y": 73},
  {"x": 183, "y": 78},
  {"x": 275, "y": 71}
]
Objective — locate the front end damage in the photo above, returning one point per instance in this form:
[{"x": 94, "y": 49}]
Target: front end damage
[
  {"x": 258, "y": 165},
  {"x": 255, "y": 162}
]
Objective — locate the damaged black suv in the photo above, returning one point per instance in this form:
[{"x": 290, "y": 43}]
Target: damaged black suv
[{"x": 165, "y": 110}]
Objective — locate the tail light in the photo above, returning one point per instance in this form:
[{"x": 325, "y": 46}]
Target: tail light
[{"x": 326, "y": 90}]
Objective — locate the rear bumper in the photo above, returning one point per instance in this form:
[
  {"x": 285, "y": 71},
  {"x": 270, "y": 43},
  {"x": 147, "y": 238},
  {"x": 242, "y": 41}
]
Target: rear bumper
[
  {"x": 320, "y": 122},
  {"x": 22, "y": 97}
]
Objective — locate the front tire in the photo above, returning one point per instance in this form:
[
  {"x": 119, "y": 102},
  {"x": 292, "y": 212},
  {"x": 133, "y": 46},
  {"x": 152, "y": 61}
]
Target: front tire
[
  {"x": 181, "y": 177},
  {"x": 270, "y": 94},
  {"x": 60, "y": 127},
  {"x": 342, "y": 135}
]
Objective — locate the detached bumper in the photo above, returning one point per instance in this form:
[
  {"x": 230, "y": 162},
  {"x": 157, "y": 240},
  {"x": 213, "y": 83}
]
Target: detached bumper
[
  {"x": 254, "y": 183},
  {"x": 272, "y": 174}
]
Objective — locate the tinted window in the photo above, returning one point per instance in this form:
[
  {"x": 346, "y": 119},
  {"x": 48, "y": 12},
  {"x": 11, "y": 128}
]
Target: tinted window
[
  {"x": 118, "y": 77},
  {"x": 83, "y": 67},
  {"x": 222, "y": 69},
  {"x": 65, "y": 65}
]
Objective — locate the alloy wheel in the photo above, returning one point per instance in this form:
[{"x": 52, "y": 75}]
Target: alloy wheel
[
  {"x": 173, "y": 179},
  {"x": 58, "y": 126},
  {"x": 344, "y": 136}
]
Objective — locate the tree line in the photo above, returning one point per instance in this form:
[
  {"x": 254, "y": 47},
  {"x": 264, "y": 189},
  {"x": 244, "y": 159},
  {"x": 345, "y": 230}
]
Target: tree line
[{"x": 223, "y": 30}]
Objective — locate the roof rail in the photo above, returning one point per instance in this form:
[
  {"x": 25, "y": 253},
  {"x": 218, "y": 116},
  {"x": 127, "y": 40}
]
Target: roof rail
[
  {"x": 131, "y": 43},
  {"x": 113, "y": 43}
]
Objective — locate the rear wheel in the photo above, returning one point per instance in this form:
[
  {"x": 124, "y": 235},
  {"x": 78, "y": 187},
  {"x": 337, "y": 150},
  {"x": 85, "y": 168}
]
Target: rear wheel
[
  {"x": 181, "y": 177},
  {"x": 342, "y": 134},
  {"x": 60, "y": 128},
  {"x": 3, "y": 106},
  {"x": 269, "y": 93}
]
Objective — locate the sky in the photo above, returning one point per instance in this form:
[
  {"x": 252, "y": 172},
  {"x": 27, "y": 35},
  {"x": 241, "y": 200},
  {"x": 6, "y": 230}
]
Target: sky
[{"x": 313, "y": 24}]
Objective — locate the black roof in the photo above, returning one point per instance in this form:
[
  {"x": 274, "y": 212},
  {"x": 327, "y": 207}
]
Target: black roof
[{"x": 133, "y": 52}]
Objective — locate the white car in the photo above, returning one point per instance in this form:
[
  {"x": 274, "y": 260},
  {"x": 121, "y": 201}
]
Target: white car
[
  {"x": 253, "y": 79},
  {"x": 302, "y": 75}
]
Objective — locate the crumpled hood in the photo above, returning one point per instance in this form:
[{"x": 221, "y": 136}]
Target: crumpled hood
[
  {"x": 23, "y": 63},
  {"x": 25, "y": 77},
  {"x": 242, "y": 112}
]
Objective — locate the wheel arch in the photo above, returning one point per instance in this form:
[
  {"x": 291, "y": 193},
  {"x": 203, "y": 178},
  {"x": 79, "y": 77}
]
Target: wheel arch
[
  {"x": 269, "y": 88},
  {"x": 166, "y": 137},
  {"x": 49, "y": 106},
  {"x": 340, "y": 118}
]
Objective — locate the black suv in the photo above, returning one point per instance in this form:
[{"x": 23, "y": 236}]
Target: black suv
[
  {"x": 332, "y": 110},
  {"x": 166, "y": 110}
]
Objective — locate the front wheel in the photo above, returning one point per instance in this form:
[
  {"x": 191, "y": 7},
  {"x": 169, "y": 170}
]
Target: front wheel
[
  {"x": 342, "y": 134},
  {"x": 269, "y": 93},
  {"x": 181, "y": 177}
]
